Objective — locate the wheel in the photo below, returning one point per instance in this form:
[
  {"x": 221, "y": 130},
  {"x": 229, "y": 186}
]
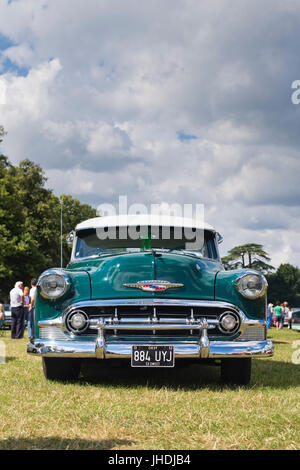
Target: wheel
[
  {"x": 236, "y": 371},
  {"x": 63, "y": 369}
]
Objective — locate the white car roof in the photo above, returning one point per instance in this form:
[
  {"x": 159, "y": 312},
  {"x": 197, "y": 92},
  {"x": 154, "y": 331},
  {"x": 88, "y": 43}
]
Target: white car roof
[{"x": 143, "y": 220}]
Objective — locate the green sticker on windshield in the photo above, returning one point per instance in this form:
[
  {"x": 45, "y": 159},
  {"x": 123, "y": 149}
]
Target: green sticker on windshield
[{"x": 146, "y": 242}]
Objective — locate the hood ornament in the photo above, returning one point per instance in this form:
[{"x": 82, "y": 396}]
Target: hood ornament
[{"x": 153, "y": 286}]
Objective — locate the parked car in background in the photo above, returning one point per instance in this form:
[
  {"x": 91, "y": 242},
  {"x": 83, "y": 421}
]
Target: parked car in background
[
  {"x": 296, "y": 319},
  {"x": 7, "y": 315},
  {"x": 140, "y": 290}
]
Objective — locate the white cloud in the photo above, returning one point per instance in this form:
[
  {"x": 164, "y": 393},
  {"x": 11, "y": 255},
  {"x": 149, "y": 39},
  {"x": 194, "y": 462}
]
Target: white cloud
[{"x": 110, "y": 85}]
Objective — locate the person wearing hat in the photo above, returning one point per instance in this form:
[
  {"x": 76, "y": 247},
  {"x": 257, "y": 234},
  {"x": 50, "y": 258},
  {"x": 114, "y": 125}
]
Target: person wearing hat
[
  {"x": 270, "y": 313},
  {"x": 17, "y": 311}
]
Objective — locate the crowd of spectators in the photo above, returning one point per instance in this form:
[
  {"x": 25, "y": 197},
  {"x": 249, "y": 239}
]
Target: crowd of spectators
[
  {"x": 22, "y": 303},
  {"x": 279, "y": 315}
]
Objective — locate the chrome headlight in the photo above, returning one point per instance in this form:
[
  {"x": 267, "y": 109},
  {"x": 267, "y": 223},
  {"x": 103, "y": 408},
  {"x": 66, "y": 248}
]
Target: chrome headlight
[
  {"x": 229, "y": 322},
  {"x": 252, "y": 285},
  {"x": 53, "y": 285},
  {"x": 77, "y": 321}
]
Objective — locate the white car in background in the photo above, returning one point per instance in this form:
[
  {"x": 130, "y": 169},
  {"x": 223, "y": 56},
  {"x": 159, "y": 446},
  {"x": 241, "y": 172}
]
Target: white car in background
[{"x": 7, "y": 315}]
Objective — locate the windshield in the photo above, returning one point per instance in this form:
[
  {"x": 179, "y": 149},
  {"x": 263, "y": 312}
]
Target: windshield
[{"x": 93, "y": 243}]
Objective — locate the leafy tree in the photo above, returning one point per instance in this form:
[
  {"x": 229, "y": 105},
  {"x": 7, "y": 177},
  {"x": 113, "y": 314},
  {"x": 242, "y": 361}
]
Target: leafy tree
[
  {"x": 2, "y": 133},
  {"x": 284, "y": 285},
  {"x": 30, "y": 223},
  {"x": 250, "y": 255}
]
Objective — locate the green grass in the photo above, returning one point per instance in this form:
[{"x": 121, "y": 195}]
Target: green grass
[{"x": 150, "y": 409}]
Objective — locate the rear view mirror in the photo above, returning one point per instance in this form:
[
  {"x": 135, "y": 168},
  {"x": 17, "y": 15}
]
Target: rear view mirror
[
  {"x": 219, "y": 238},
  {"x": 70, "y": 238}
]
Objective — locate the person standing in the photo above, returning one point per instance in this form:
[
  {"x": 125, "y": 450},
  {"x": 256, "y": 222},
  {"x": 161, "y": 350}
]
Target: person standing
[
  {"x": 26, "y": 306},
  {"x": 288, "y": 314},
  {"x": 32, "y": 294},
  {"x": 282, "y": 315},
  {"x": 17, "y": 311},
  {"x": 270, "y": 312},
  {"x": 278, "y": 315},
  {"x": 2, "y": 316}
]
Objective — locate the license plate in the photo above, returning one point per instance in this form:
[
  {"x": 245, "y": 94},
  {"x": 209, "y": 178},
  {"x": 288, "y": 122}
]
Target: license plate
[{"x": 152, "y": 356}]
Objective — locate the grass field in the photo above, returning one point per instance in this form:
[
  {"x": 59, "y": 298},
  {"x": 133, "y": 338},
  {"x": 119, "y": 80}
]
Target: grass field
[{"x": 150, "y": 409}]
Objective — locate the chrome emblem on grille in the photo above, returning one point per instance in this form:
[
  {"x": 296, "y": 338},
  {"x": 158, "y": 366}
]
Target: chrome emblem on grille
[{"x": 153, "y": 286}]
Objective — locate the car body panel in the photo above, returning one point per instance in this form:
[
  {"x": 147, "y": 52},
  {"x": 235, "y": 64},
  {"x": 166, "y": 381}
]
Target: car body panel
[
  {"x": 109, "y": 276},
  {"x": 226, "y": 291}
]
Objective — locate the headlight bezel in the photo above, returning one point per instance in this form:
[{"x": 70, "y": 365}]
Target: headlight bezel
[
  {"x": 69, "y": 325},
  {"x": 235, "y": 327},
  {"x": 46, "y": 277},
  {"x": 245, "y": 290}
]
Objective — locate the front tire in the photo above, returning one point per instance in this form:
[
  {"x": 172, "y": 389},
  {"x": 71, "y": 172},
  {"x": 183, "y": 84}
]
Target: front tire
[
  {"x": 63, "y": 369},
  {"x": 236, "y": 371}
]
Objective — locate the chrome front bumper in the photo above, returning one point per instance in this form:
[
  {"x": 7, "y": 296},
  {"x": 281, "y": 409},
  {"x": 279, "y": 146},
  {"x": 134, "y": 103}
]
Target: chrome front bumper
[{"x": 122, "y": 350}]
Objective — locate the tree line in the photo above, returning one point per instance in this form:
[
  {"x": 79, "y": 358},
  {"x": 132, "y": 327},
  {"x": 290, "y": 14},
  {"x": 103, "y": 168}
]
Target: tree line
[
  {"x": 30, "y": 222},
  {"x": 283, "y": 283}
]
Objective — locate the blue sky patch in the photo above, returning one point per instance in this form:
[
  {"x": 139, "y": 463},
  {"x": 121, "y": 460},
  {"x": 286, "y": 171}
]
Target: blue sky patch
[
  {"x": 182, "y": 136},
  {"x": 5, "y": 42},
  {"x": 6, "y": 65}
]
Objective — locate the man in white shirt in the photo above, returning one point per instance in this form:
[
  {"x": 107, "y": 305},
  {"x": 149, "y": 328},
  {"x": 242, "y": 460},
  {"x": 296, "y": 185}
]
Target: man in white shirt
[
  {"x": 32, "y": 294},
  {"x": 17, "y": 311}
]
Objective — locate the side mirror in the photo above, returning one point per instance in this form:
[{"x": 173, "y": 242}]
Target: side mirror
[
  {"x": 219, "y": 238},
  {"x": 70, "y": 238}
]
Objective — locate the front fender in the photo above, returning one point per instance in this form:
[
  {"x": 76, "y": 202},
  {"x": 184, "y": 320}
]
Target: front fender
[
  {"x": 226, "y": 291},
  {"x": 80, "y": 290}
]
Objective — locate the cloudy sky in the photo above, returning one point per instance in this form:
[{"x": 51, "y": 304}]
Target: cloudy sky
[{"x": 174, "y": 101}]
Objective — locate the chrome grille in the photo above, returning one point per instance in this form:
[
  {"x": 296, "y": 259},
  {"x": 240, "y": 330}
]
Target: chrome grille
[
  {"x": 52, "y": 332},
  {"x": 149, "y": 312},
  {"x": 253, "y": 334}
]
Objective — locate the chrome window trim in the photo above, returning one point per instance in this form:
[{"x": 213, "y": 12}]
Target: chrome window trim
[{"x": 152, "y": 302}]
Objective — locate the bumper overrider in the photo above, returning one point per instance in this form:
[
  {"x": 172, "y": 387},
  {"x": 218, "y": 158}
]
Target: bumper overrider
[{"x": 250, "y": 342}]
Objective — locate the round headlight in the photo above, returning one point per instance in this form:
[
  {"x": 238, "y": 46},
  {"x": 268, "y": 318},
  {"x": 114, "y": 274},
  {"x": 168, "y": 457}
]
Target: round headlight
[
  {"x": 252, "y": 285},
  {"x": 53, "y": 285},
  {"x": 77, "y": 321},
  {"x": 229, "y": 322}
]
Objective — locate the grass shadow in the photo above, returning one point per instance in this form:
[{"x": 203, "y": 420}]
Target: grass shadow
[
  {"x": 275, "y": 374},
  {"x": 188, "y": 378},
  {"x": 9, "y": 359},
  {"x": 274, "y": 341},
  {"x": 184, "y": 378},
  {"x": 265, "y": 373},
  {"x": 58, "y": 443}
]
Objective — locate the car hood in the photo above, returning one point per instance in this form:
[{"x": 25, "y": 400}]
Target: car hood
[{"x": 108, "y": 276}]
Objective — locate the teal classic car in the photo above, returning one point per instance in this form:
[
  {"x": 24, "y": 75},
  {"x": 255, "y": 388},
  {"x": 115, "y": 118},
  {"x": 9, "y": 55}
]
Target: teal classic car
[{"x": 149, "y": 291}]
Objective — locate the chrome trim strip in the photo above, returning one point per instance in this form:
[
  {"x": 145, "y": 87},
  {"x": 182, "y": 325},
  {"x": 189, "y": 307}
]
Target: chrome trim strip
[
  {"x": 52, "y": 322},
  {"x": 151, "y": 302},
  {"x": 156, "y": 325}
]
